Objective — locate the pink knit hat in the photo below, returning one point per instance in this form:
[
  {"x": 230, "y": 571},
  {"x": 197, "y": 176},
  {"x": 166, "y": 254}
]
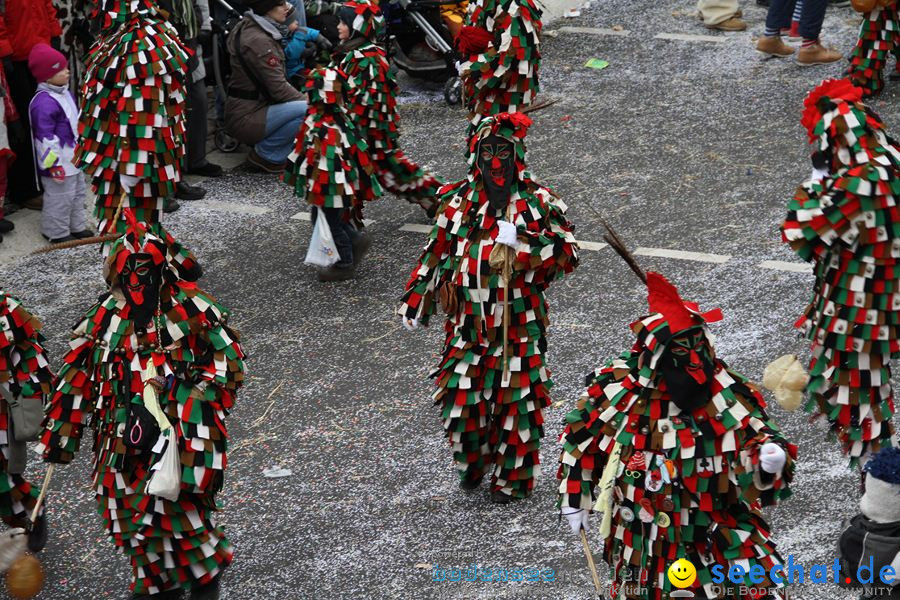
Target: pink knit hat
[{"x": 45, "y": 62}]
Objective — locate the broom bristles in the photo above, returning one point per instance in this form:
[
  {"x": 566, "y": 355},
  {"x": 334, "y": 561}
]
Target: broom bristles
[
  {"x": 616, "y": 243},
  {"x": 537, "y": 107}
]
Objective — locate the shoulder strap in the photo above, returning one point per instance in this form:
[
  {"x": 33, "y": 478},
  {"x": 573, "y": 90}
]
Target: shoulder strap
[{"x": 250, "y": 73}]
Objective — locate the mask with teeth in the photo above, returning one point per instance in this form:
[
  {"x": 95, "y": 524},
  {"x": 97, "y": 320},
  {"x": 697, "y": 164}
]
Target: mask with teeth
[
  {"x": 687, "y": 368},
  {"x": 140, "y": 280},
  {"x": 497, "y": 163}
]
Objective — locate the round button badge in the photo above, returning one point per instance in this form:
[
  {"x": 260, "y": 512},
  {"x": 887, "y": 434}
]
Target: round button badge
[
  {"x": 663, "y": 520},
  {"x": 626, "y": 513}
]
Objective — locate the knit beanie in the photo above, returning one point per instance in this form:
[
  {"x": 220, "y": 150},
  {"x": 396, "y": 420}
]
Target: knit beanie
[
  {"x": 261, "y": 7},
  {"x": 45, "y": 62},
  {"x": 881, "y": 501}
]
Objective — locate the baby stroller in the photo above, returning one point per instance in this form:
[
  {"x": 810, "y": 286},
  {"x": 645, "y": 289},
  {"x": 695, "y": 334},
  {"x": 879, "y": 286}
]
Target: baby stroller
[
  {"x": 419, "y": 42},
  {"x": 225, "y": 18}
]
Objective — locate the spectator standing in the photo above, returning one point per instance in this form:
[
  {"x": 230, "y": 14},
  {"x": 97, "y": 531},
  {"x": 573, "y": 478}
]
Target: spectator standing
[
  {"x": 263, "y": 109},
  {"x": 812, "y": 52},
  {"x": 54, "y": 126},
  {"x": 24, "y": 23},
  {"x": 724, "y": 15}
]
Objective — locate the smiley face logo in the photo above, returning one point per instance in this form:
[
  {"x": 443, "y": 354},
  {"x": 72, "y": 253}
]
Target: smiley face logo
[{"x": 682, "y": 573}]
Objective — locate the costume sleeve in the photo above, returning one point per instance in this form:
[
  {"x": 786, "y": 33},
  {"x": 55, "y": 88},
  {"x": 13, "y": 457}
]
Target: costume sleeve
[
  {"x": 418, "y": 300},
  {"x": 321, "y": 7},
  {"x": 44, "y": 113},
  {"x": 821, "y": 215},
  {"x": 581, "y": 462},
  {"x": 755, "y": 484},
  {"x": 551, "y": 252},
  {"x": 55, "y": 28},
  {"x": 71, "y": 406}
]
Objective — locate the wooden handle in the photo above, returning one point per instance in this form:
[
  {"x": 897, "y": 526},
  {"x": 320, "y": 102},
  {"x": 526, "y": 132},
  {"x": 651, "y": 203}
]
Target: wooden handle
[
  {"x": 40, "y": 500},
  {"x": 590, "y": 561}
]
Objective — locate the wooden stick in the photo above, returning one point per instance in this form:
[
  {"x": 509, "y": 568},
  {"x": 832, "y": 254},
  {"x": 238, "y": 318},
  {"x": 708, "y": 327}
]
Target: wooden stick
[
  {"x": 40, "y": 500},
  {"x": 506, "y": 278},
  {"x": 590, "y": 561}
]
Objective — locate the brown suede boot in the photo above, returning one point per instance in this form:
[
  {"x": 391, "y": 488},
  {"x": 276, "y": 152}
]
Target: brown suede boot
[
  {"x": 773, "y": 46},
  {"x": 732, "y": 24},
  {"x": 817, "y": 54}
]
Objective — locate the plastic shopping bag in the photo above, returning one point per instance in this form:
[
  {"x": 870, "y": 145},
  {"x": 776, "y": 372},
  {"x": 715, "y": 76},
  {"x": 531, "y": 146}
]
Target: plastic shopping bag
[
  {"x": 322, "y": 250},
  {"x": 165, "y": 481}
]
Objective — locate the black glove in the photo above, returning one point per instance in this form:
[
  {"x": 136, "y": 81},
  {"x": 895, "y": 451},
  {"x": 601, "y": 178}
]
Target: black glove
[
  {"x": 324, "y": 43},
  {"x": 18, "y": 135},
  {"x": 56, "y": 43},
  {"x": 308, "y": 52}
]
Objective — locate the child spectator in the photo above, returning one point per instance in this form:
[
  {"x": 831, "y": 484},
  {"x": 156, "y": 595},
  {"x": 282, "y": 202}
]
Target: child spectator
[
  {"x": 54, "y": 127},
  {"x": 300, "y": 46},
  {"x": 874, "y": 534}
]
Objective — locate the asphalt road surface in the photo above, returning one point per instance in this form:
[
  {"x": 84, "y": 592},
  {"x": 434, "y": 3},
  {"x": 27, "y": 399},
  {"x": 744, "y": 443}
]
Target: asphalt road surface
[{"x": 690, "y": 147}]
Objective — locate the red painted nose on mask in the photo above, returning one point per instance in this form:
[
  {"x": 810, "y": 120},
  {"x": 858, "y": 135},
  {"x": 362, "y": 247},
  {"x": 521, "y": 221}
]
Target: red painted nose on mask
[
  {"x": 695, "y": 368},
  {"x": 137, "y": 295},
  {"x": 495, "y": 163}
]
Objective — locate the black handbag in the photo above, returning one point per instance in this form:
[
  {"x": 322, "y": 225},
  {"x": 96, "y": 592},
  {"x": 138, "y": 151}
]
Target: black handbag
[{"x": 141, "y": 428}]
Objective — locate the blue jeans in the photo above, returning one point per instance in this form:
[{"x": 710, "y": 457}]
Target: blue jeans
[
  {"x": 282, "y": 123},
  {"x": 811, "y": 19}
]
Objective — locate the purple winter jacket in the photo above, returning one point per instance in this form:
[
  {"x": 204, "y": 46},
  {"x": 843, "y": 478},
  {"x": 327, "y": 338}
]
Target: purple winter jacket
[{"x": 54, "y": 128}]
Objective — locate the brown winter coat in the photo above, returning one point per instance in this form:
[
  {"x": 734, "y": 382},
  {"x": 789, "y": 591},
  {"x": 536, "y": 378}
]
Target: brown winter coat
[{"x": 262, "y": 51}]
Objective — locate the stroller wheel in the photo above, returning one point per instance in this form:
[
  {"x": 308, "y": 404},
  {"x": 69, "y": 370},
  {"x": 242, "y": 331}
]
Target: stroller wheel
[
  {"x": 224, "y": 142},
  {"x": 453, "y": 91}
]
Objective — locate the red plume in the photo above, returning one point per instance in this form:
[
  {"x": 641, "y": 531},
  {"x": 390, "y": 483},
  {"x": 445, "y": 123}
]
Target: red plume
[
  {"x": 663, "y": 298},
  {"x": 835, "y": 89},
  {"x": 473, "y": 40}
]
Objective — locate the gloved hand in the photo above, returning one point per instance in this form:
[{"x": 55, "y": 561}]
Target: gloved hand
[
  {"x": 58, "y": 173},
  {"x": 324, "y": 43},
  {"x": 128, "y": 182},
  {"x": 578, "y": 518},
  {"x": 410, "y": 324},
  {"x": 818, "y": 174},
  {"x": 507, "y": 234},
  {"x": 309, "y": 52},
  {"x": 772, "y": 457}
]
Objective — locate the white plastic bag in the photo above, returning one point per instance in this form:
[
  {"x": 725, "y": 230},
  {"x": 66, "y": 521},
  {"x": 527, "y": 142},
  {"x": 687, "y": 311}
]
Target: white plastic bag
[
  {"x": 165, "y": 481},
  {"x": 322, "y": 250},
  {"x": 12, "y": 546}
]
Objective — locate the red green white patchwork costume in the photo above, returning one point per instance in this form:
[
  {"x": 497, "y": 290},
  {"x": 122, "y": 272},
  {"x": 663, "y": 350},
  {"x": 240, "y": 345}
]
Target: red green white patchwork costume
[
  {"x": 846, "y": 224},
  {"x": 371, "y": 93},
  {"x": 132, "y": 111},
  {"x": 501, "y": 49},
  {"x": 682, "y": 484},
  {"x": 879, "y": 37},
  {"x": 170, "y": 544},
  {"x": 24, "y": 374},
  {"x": 330, "y": 163},
  {"x": 494, "y": 425}
]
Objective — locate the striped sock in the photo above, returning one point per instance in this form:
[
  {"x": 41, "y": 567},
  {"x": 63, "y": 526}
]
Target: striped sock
[
  {"x": 807, "y": 42},
  {"x": 798, "y": 10},
  {"x": 772, "y": 32}
]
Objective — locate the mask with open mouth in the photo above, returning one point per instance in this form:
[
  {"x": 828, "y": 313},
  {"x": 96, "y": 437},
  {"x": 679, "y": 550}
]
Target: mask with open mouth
[
  {"x": 140, "y": 280},
  {"x": 497, "y": 163},
  {"x": 687, "y": 369}
]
